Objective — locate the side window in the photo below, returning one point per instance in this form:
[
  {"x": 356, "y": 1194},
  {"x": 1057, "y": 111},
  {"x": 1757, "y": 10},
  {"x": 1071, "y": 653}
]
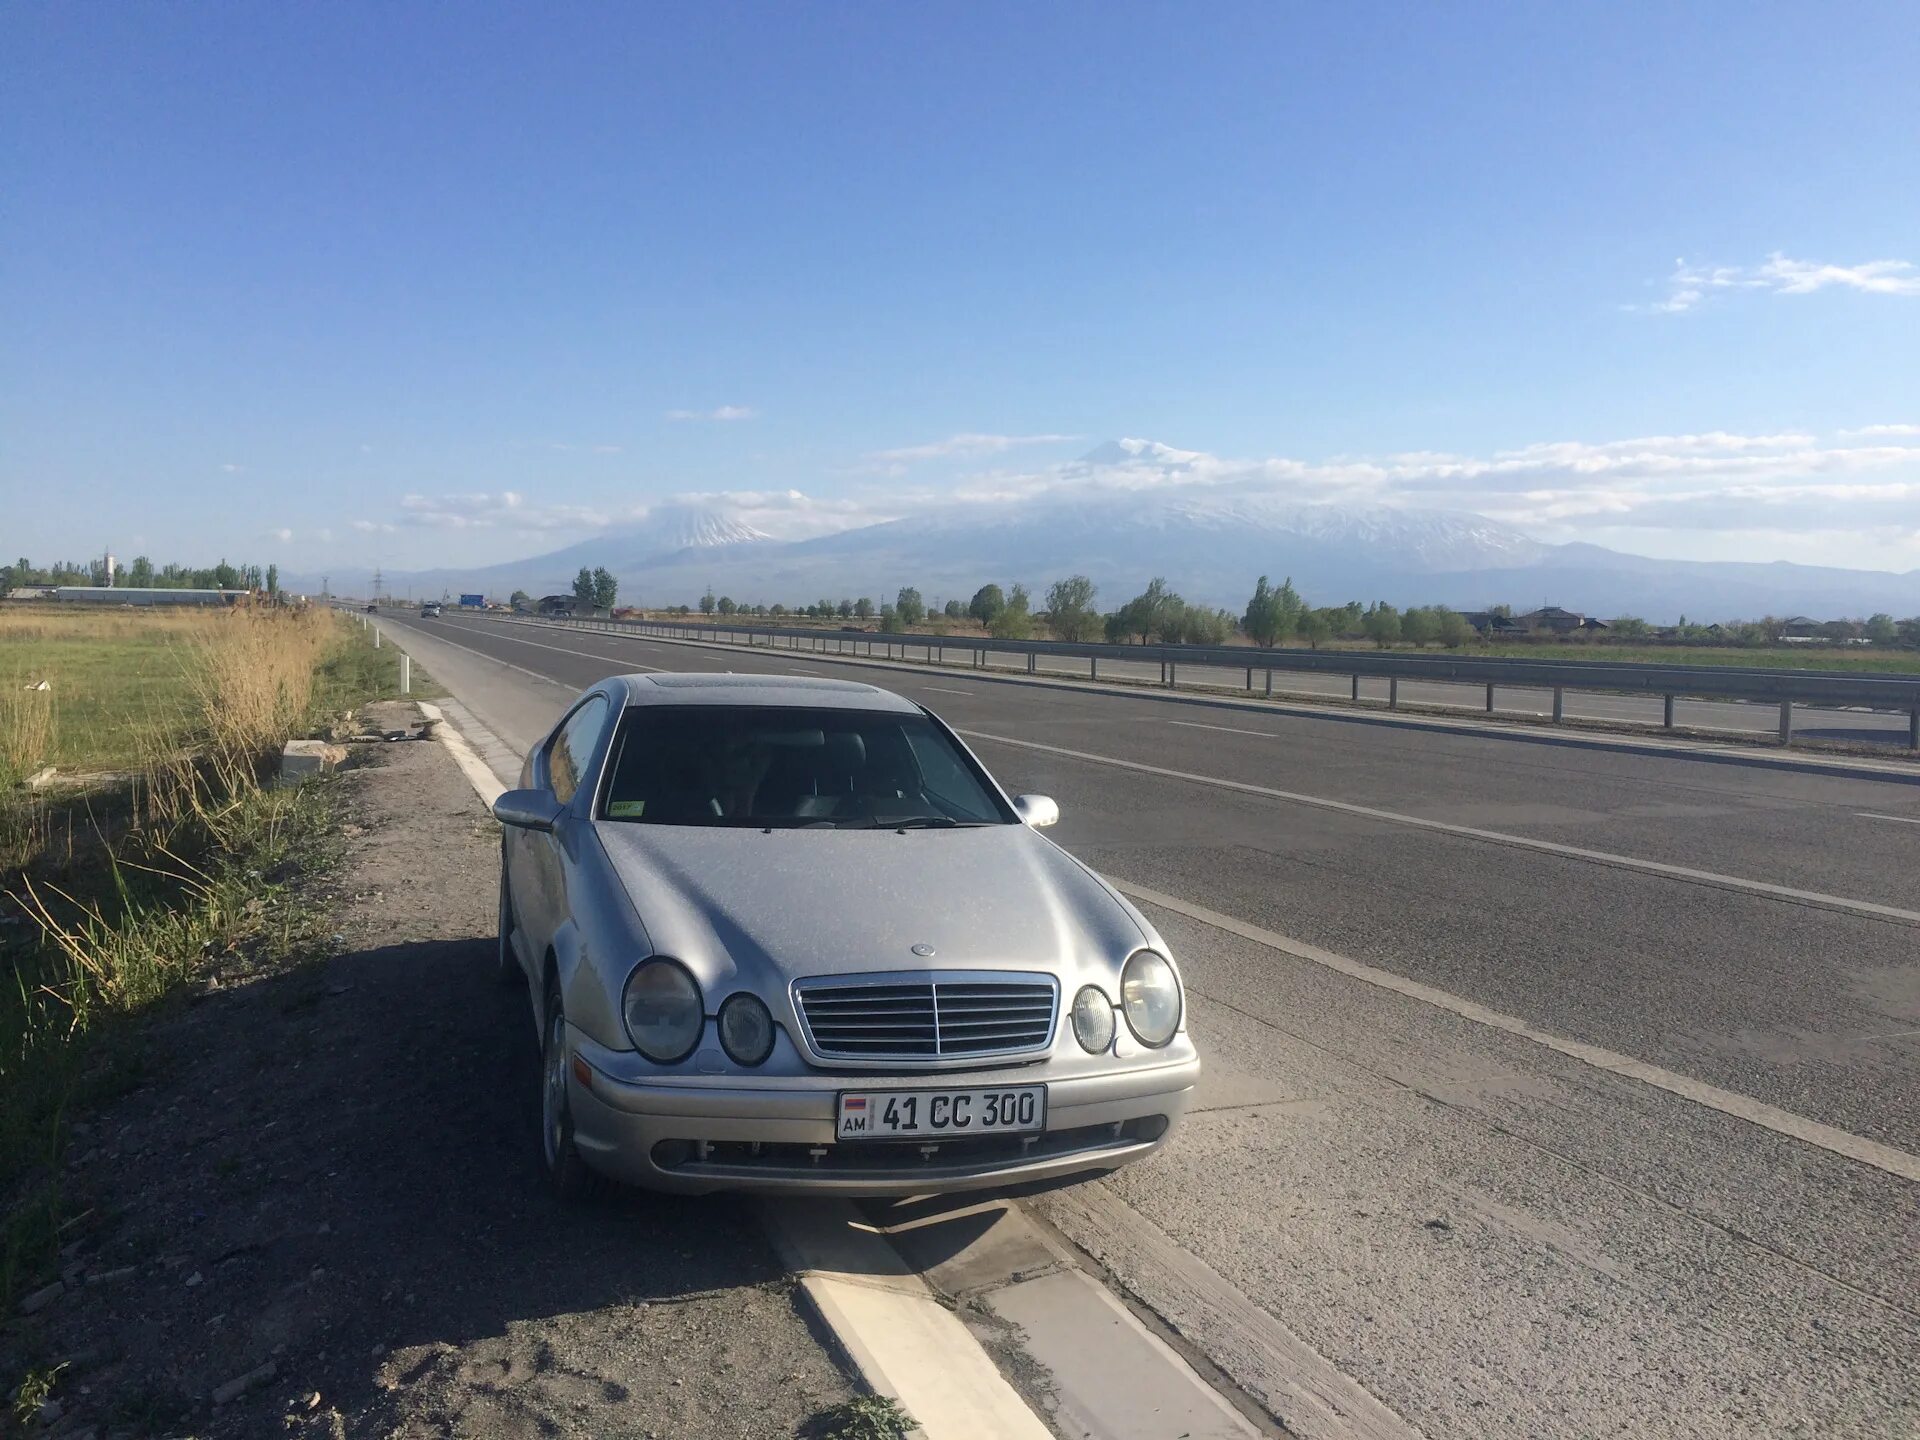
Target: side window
[{"x": 571, "y": 749}]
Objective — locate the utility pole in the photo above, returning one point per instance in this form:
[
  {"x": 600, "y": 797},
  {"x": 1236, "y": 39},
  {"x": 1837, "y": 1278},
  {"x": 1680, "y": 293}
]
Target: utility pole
[
  {"x": 324, "y": 592},
  {"x": 376, "y": 586}
]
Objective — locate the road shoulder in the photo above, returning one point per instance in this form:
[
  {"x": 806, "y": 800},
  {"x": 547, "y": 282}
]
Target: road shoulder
[{"x": 321, "y": 1212}]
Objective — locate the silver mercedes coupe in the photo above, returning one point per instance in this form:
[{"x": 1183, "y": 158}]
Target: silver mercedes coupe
[{"x": 787, "y": 934}]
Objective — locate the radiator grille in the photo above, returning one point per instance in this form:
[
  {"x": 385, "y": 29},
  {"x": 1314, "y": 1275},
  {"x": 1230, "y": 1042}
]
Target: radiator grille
[{"x": 927, "y": 1017}]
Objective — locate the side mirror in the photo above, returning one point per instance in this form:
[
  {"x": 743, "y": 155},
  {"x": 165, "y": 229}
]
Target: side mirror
[
  {"x": 1039, "y": 811},
  {"x": 527, "y": 809}
]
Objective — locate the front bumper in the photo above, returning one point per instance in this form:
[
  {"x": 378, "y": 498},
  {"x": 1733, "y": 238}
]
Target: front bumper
[{"x": 779, "y": 1137}]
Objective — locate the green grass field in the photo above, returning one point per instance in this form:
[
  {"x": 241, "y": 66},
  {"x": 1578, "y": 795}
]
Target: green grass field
[
  {"x": 123, "y": 683},
  {"x": 119, "y": 682}
]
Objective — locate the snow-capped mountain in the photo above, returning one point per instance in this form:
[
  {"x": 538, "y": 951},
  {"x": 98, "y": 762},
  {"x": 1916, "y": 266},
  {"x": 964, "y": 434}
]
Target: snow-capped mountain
[
  {"x": 1130, "y": 510},
  {"x": 671, "y": 528}
]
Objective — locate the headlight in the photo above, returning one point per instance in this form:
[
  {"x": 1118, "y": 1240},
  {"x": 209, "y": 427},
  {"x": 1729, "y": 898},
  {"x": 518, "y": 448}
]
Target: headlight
[
  {"x": 1093, "y": 1019},
  {"x": 1151, "y": 997},
  {"x": 662, "y": 1008},
  {"x": 746, "y": 1029}
]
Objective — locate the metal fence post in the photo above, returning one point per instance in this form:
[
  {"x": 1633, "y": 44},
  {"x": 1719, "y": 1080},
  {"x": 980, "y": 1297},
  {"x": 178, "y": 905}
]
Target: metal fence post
[
  {"x": 1033, "y": 663},
  {"x": 1173, "y": 674},
  {"x": 406, "y": 674},
  {"x": 1559, "y": 704},
  {"x": 1393, "y": 692},
  {"x": 1249, "y": 679},
  {"x": 1913, "y": 729},
  {"x": 1356, "y": 687},
  {"x": 1489, "y": 697},
  {"x": 1666, "y": 711},
  {"x": 1269, "y": 682},
  {"x": 1093, "y": 667},
  {"x": 376, "y": 637},
  {"x": 1786, "y": 722}
]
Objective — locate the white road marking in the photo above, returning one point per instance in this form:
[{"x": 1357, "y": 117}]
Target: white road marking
[
  {"x": 941, "y": 690},
  {"x": 1727, "y": 1102},
  {"x": 1224, "y": 729},
  {"x": 1896, "y": 819},
  {"x": 561, "y": 649},
  {"x": 1496, "y": 837},
  {"x": 544, "y": 679}
]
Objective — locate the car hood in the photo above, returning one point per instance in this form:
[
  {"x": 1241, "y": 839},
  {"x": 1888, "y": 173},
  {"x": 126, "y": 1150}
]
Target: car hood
[{"x": 767, "y": 907}]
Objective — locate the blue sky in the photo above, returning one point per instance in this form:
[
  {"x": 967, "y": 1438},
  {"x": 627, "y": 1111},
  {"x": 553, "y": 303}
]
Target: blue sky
[{"x": 344, "y": 284}]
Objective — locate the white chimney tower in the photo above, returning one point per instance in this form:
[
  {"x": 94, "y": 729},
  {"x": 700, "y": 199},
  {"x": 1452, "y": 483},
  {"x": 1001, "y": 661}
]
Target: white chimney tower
[{"x": 109, "y": 567}]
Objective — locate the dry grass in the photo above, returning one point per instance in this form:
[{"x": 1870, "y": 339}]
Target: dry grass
[
  {"x": 123, "y": 889},
  {"x": 26, "y": 732}
]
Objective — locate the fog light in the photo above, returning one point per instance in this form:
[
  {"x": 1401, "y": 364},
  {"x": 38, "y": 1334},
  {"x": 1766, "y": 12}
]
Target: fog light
[
  {"x": 1093, "y": 1019},
  {"x": 746, "y": 1029}
]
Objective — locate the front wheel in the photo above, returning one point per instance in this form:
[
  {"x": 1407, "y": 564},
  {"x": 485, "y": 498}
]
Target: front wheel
[{"x": 568, "y": 1172}]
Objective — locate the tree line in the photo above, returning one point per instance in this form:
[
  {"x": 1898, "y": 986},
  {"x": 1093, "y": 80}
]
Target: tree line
[
  {"x": 141, "y": 574},
  {"x": 1274, "y": 616}
]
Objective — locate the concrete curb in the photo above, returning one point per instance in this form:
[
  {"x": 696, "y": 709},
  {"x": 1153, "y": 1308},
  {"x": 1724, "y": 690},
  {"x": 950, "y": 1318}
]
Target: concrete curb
[{"x": 898, "y": 1337}]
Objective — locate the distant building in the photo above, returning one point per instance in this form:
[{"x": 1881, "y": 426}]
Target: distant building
[
  {"x": 1799, "y": 630},
  {"x": 32, "y": 592},
  {"x": 1552, "y": 620},
  {"x": 555, "y": 605},
  {"x": 1491, "y": 623},
  {"x": 132, "y": 595}
]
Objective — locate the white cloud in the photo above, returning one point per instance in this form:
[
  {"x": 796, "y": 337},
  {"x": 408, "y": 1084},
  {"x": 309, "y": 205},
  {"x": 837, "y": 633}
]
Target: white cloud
[
  {"x": 966, "y": 446},
  {"x": 232, "y": 469},
  {"x": 1707, "y": 484},
  {"x": 1881, "y": 432},
  {"x": 1780, "y": 274},
  {"x": 324, "y": 536},
  {"x": 485, "y": 509},
  {"x": 1711, "y": 481},
  {"x": 722, "y": 412},
  {"x": 283, "y": 535}
]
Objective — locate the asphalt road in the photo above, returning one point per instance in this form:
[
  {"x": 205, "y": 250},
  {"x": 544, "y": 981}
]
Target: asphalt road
[{"x": 1552, "y": 1089}]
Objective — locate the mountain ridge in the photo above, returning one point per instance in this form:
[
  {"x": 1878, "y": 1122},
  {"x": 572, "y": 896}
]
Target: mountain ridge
[{"x": 1209, "y": 542}]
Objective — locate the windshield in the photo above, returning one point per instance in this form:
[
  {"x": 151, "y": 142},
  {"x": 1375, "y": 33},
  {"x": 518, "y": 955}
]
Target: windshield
[{"x": 767, "y": 766}]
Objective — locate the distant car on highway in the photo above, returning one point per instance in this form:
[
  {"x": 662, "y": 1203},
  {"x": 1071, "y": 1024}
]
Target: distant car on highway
[
  {"x": 373, "y": 607},
  {"x": 430, "y": 610},
  {"x": 787, "y": 934}
]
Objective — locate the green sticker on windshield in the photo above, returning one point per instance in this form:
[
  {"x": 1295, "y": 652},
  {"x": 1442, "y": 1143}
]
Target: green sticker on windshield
[{"x": 626, "y": 809}]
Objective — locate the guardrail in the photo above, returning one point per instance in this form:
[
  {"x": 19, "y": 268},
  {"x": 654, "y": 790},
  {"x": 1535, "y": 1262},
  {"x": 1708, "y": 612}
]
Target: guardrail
[{"x": 1785, "y": 688}]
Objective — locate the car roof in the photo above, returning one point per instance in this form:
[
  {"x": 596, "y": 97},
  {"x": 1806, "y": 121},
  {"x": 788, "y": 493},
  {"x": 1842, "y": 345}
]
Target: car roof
[{"x": 725, "y": 688}]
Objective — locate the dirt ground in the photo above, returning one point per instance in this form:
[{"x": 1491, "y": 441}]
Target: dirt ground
[{"x": 326, "y": 1196}]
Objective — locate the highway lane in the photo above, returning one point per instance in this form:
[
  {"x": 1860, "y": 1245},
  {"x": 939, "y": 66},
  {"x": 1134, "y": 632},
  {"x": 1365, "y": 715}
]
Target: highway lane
[
  {"x": 1734, "y": 716},
  {"x": 1493, "y": 1238}
]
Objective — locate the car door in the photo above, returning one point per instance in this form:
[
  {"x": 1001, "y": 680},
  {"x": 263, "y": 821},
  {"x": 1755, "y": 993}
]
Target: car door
[{"x": 537, "y": 869}]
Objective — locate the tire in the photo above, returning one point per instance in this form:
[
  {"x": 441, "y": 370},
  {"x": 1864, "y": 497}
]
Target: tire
[
  {"x": 566, "y": 1171},
  {"x": 506, "y": 963}
]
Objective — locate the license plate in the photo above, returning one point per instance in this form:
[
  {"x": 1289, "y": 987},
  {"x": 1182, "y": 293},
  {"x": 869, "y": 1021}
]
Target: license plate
[{"x": 900, "y": 1114}]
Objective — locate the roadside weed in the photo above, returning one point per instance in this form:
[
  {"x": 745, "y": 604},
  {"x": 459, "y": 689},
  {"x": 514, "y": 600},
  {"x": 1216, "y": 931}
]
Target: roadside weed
[{"x": 867, "y": 1417}]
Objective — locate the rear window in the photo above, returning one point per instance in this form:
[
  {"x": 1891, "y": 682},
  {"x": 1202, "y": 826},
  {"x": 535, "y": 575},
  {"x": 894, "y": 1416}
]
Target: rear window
[{"x": 792, "y": 767}]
